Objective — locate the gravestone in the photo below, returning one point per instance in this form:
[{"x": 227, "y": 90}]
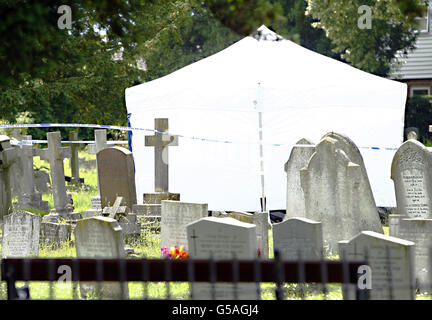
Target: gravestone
[
  {"x": 412, "y": 177},
  {"x": 55, "y": 234},
  {"x": 151, "y": 207},
  {"x": 391, "y": 263},
  {"x": 8, "y": 155},
  {"x": 227, "y": 238},
  {"x": 100, "y": 144},
  {"x": 299, "y": 158},
  {"x": 74, "y": 161},
  {"x": 260, "y": 220},
  {"x": 100, "y": 237},
  {"x": 21, "y": 235},
  {"x": 29, "y": 197},
  {"x": 116, "y": 176},
  {"x": 330, "y": 183},
  {"x": 120, "y": 212},
  {"x": 298, "y": 238},
  {"x": 42, "y": 181},
  {"x": 419, "y": 231},
  {"x": 175, "y": 216},
  {"x": 55, "y": 154},
  {"x": 364, "y": 206}
]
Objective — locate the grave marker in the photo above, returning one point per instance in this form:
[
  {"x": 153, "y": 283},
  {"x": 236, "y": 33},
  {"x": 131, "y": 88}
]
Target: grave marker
[
  {"x": 21, "y": 235},
  {"x": 227, "y": 238},
  {"x": 412, "y": 177},
  {"x": 391, "y": 263},
  {"x": 8, "y": 155},
  {"x": 100, "y": 237},
  {"x": 116, "y": 176},
  {"x": 299, "y": 158},
  {"x": 297, "y": 238},
  {"x": 175, "y": 216}
]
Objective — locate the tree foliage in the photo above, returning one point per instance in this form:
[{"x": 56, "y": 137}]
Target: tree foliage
[{"x": 371, "y": 50}]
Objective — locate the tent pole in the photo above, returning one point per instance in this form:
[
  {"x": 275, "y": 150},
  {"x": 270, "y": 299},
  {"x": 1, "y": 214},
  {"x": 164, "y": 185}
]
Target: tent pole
[{"x": 263, "y": 198}]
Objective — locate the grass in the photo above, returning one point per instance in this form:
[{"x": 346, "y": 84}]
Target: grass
[{"x": 148, "y": 245}]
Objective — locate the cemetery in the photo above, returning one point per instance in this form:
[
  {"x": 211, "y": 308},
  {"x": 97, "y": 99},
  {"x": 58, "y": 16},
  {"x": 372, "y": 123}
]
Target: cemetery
[{"x": 223, "y": 188}]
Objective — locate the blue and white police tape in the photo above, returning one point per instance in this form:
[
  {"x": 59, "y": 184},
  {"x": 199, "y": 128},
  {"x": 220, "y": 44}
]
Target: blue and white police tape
[{"x": 104, "y": 126}]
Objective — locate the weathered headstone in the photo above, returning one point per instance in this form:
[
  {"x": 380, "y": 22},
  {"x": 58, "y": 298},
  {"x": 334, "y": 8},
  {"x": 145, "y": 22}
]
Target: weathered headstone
[
  {"x": 29, "y": 197},
  {"x": 412, "y": 176},
  {"x": 298, "y": 238},
  {"x": 365, "y": 208},
  {"x": 330, "y": 183},
  {"x": 120, "y": 212},
  {"x": 55, "y": 154},
  {"x": 55, "y": 234},
  {"x": 260, "y": 220},
  {"x": 175, "y": 216},
  {"x": 74, "y": 162},
  {"x": 21, "y": 234},
  {"x": 391, "y": 263},
  {"x": 42, "y": 180},
  {"x": 419, "y": 231},
  {"x": 299, "y": 158},
  {"x": 100, "y": 237},
  {"x": 8, "y": 155},
  {"x": 216, "y": 238},
  {"x": 116, "y": 176}
]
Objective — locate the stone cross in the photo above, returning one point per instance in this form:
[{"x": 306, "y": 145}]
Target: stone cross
[
  {"x": 8, "y": 155},
  {"x": 26, "y": 157},
  {"x": 100, "y": 144},
  {"x": 74, "y": 163},
  {"x": 55, "y": 154},
  {"x": 119, "y": 208},
  {"x": 161, "y": 142},
  {"x": 100, "y": 141}
]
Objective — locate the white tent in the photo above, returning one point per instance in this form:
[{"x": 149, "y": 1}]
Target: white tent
[{"x": 269, "y": 82}]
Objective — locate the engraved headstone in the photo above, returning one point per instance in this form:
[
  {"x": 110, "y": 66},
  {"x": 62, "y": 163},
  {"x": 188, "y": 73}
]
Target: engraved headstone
[
  {"x": 391, "y": 263},
  {"x": 55, "y": 234},
  {"x": 175, "y": 216},
  {"x": 299, "y": 158},
  {"x": 298, "y": 238},
  {"x": 21, "y": 234},
  {"x": 365, "y": 208},
  {"x": 419, "y": 231},
  {"x": 116, "y": 176},
  {"x": 100, "y": 237},
  {"x": 330, "y": 183},
  {"x": 412, "y": 176},
  {"x": 227, "y": 238}
]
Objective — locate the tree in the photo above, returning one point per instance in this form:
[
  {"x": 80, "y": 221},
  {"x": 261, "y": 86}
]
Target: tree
[{"x": 369, "y": 49}]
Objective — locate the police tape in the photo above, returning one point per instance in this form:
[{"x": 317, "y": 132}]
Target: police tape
[{"x": 111, "y": 127}]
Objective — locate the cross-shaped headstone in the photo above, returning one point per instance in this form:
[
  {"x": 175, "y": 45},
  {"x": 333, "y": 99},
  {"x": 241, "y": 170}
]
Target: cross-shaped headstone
[
  {"x": 8, "y": 155},
  {"x": 161, "y": 142},
  {"x": 100, "y": 144},
  {"x": 55, "y": 154},
  {"x": 74, "y": 163},
  {"x": 100, "y": 141},
  {"x": 118, "y": 209}
]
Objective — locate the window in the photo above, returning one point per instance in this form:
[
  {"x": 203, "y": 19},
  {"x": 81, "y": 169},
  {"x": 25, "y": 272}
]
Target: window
[
  {"x": 423, "y": 25},
  {"x": 420, "y": 91}
]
